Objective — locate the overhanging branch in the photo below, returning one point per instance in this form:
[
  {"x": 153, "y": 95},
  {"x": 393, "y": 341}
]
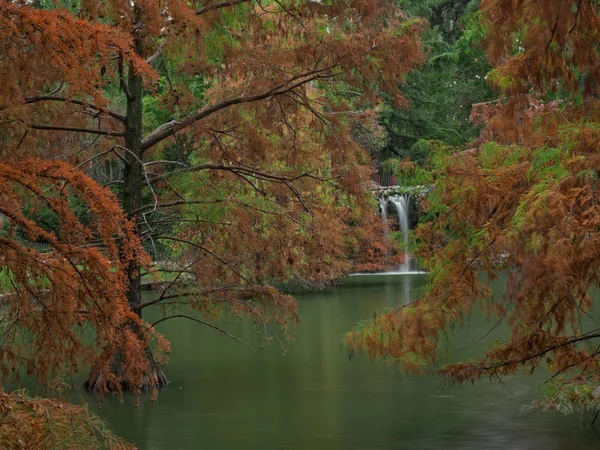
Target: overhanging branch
[{"x": 210, "y": 325}]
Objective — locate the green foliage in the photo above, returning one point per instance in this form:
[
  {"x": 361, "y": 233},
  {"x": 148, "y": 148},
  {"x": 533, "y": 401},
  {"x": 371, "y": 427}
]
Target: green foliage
[
  {"x": 493, "y": 155},
  {"x": 71, "y": 5},
  {"x": 442, "y": 91},
  {"x": 177, "y": 95},
  {"x": 47, "y": 219},
  {"x": 564, "y": 396},
  {"x": 408, "y": 173}
]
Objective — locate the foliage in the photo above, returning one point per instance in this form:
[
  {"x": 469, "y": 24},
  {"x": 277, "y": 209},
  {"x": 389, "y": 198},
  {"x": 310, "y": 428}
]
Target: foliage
[
  {"x": 53, "y": 301},
  {"x": 526, "y": 195},
  {"x": 214, "y": 124},
  {"x": 416, "y": 190},
  {"x": 407, "y": 173},
  {"x": 31, "y": 422},
  {"x": 441, "y": 92},
  {"x": 568, "y": 395}
]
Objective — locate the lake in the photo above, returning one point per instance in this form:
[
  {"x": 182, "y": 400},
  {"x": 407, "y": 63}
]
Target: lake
[{"x": 223, "y": 396}]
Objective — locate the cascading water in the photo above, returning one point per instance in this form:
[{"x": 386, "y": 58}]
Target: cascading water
[
  {"x": 383, "y": 202},
  {"x": 402, "y": 204}
]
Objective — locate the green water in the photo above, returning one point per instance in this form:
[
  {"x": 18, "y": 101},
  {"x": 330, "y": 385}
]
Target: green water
[{"x": 222, "y": 396}]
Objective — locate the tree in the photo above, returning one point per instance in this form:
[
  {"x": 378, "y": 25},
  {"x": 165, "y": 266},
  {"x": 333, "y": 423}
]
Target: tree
[
  {"x": 441, "y": 92},
  {"x": 65, "y": 307},
  {"x": 523, "y": 201},
  {"x": 223, "y": 128}
]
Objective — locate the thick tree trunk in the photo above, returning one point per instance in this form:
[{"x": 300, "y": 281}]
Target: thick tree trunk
[
  {"x": 132, "y": 192},
  {"x": 131, "y": 201}
]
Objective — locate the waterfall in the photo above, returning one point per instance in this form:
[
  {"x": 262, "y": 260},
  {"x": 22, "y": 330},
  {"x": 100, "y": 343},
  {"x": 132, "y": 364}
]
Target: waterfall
[
  {"x": 383, "y": 202},
  {"x": 402, "y": 204},
  {"x": 383, "y": 206}
]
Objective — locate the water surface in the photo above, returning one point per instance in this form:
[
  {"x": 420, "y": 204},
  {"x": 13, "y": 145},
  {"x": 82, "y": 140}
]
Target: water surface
[{"x": 222, "y": 396}]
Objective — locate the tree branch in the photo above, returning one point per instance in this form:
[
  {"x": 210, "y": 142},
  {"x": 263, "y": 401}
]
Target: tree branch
[
  {"x": 157, "y": 53},
  {"x": 214, "y": 327},
  {"x": 46, "y": 98},
  {"x": 220, "y": 6},
  {"x": 569, "y": 341},
  {"x": 207, "y": 251},
  {"x": 176, "y": 203},
  {"x": 75, "y": 130},
  {"x": 173, "y": 282},
  {"x": 244, "y": 170}
]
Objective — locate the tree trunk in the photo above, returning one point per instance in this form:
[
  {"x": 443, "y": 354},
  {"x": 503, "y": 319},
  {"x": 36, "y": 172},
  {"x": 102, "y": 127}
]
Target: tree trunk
[
  {"x": 132, "y": 192},
  {"x": 153, "y": 379},
  {"x": 131, "y": 201}
]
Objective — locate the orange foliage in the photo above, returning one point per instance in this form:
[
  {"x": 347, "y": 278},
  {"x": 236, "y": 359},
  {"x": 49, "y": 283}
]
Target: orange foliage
[
  {"x": 524, "y": 202},
  {"x": 56, "y": 299},
  {"x": 48, "y": 424},
  {"x": 272, "y": 190},
  {"x": 276, "y": 168}
]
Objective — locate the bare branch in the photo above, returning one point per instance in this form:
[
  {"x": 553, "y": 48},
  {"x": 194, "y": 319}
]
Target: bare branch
[
  {"x": 176, "y": 203},
  {"x": 207, "y": 251},
  {"x": 172, "y": 283},
  {"x": 164, "y": 161},
  {"x": 75, "y": 130},
  {"x": 99, "y": 155},
  {"x": 214, "y": 327},
  {"x": 220, "y": 6},
  {"x": 244, "y": 170},
  {"x": 156, "y": 54},
  {"x": 46, "y": 98}
]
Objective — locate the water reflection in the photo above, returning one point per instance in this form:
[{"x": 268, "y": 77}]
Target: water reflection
[{"x": 222, "y": 396}]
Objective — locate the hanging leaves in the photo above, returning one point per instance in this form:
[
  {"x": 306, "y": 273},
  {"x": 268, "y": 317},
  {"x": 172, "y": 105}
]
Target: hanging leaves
[{"x": 523, "y": 202}]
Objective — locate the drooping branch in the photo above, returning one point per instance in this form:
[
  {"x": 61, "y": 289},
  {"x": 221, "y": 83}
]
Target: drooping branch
[
  {"x": 245, "y": 170},
  {"x": 99, "y": 155},
  {"x": 165, "y": 289},
  {"x": 176, "y": 203},
  {"x": 195, "y": 292},
  {"x": 214, "y": 327},
  {"x": 157, "y": 54},
  {"x": 207, "y": 251},
  {"x": 520, "y": 361}
]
